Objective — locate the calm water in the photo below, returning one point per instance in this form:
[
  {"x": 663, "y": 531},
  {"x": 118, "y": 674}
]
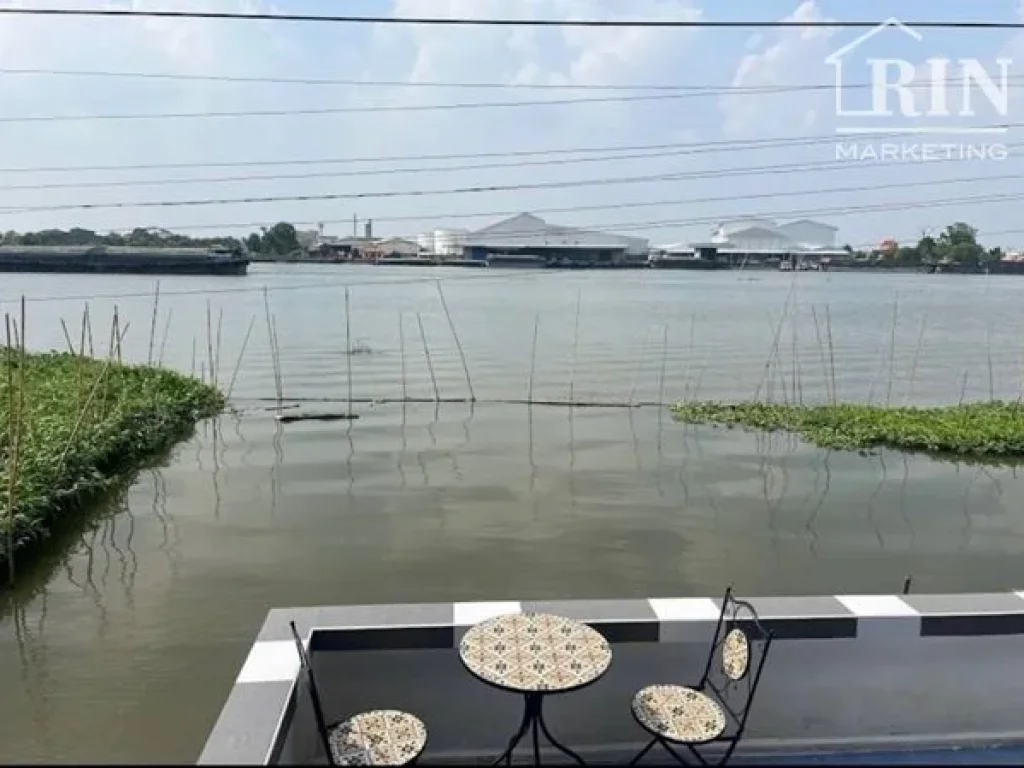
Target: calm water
[{"x": 123, "y": 643}]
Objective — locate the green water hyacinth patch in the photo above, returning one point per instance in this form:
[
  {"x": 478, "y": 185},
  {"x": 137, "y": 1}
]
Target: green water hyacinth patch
[
  {"x": 72, "y": 427},
  {"x": 990, "y": 430}
]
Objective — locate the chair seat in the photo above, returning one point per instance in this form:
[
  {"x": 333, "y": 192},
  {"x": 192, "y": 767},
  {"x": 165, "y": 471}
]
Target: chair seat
[
  {"x": 679, "y": 714},
  {"x": 380, "y": 737}
]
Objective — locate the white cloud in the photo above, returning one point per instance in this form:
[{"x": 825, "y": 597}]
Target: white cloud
[{"x": 789, "y": 57}]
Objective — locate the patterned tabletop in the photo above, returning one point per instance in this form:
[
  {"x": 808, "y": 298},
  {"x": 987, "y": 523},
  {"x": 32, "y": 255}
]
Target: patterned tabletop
[{"x": 535, "y": 653}]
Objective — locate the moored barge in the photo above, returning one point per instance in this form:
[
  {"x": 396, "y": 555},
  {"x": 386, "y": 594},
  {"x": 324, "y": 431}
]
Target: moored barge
[{"x": 103, "y": 259}]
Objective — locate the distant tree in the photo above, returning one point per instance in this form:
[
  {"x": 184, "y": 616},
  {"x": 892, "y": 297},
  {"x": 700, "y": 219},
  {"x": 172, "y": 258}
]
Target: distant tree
[
  {"x": 280, "y": 239},
  {"x": 253, "y": 243}
]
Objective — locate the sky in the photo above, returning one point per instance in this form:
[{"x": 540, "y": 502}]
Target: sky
[{"x": 733, "y": 153}]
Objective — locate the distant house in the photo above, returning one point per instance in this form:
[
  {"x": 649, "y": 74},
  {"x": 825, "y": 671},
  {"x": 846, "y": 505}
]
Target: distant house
[{"x": 396, "y": 247}]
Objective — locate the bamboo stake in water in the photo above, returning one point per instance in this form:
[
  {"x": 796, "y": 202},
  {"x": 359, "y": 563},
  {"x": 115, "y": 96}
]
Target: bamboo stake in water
[
  {"x": 575, "y": 347},
  {"x": 458, "y": 343},
  {"x": 639, "y": 366},
  {"x": 963, "y": 388},
  {"x": 152, "y": 323},
  {"x": 892, "y": 348},
  {"x": 821, "y": 354},
  {"x": 278, "y": 377},
  {"x": 917, "y": 357},
  {"x": 16, "y": 391},
  {"x": 192, "y": 368},
  {"x": 533, "y": 358},
  {"x": 67, "y": 336},
  {"x": 831, "y": 353},
  {"x": 217, "y": 348},
  {"x": 163, "y": 341},
  {"x": 88, "y": 325},
  {"x": 209, "y": 342},
  {"x": 241, "y": 354},
  {"x": 664, "y": 362},
  {"x": 271, "y": 337},
  {"x": 772, "y": 357},
  {"x": 348, "y": 346},
  {"x": 426, "y": 353},
  {"x": 401, "y": 352},
  {"x": 991, "y": 373}
]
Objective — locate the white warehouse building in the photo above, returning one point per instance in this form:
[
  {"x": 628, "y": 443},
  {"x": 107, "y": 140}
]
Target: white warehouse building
[
  {"x": 530, "y": 237},
  {"x": 759, "y": 238}
]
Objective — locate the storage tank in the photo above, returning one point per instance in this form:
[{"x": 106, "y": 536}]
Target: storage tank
[
  {"x": 426, "y": 242},
  {"x": 448, "y": 242}
]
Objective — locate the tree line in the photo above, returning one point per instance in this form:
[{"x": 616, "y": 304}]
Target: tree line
[
  {"x": 956, "y": 244},
  {"x": 279, "y": 239}
]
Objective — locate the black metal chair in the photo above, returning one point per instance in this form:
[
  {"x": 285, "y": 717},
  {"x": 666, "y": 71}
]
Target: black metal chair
[
  {"x": 714, "y": 711},
  {"x": 380, "y": 737}
]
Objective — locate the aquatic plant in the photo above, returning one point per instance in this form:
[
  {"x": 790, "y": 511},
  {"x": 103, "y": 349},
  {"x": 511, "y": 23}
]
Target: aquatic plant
[
  {"x": 73, "y": 426},
  {"x": 989, "y": 429}
]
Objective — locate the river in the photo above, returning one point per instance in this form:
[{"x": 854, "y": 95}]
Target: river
[{"x": 123, "y": 641}]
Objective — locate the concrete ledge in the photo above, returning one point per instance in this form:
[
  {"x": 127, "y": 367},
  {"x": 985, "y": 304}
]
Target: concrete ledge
[{"x": 259, "y": 709}]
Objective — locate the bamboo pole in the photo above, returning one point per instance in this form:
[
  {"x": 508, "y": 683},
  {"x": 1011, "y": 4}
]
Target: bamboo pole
[
  {"x": 16, "y": 391},
  {"x": 917, "y": 357},
  {"x": 209, "y": 342},
  {"x": 241, "y": 354},
  {"x": 163, "y": 341},
  {"x": 401, "y": 352},
  {"x": 88, "y": 325},
  {"x": 575, "y": 346},
  {"x": 426, "y": 353},
  {"x": 152, "y": 323},
  {"x": 821, "y": 354},
  {"x": 892, "y": 348},
  {"x": 218, "y": 347},
  {"x": 458, "y": 343},
  {"x": 348, "y": 346},
  {"x": 664, "y": 363},
  {"x": 67, "y": 336},
  {"x": 831, "y": 353},
  {"x": 533, "y": 358}
]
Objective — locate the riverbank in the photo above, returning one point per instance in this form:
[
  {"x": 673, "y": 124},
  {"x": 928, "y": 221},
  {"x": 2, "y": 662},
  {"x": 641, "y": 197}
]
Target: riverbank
[
  {"x": 72, "y": 427},
  {"x": 984, "y": 431}
]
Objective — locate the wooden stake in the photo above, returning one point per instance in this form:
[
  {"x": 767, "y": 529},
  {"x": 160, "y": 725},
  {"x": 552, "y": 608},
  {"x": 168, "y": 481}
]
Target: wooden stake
[
  {"x": 458, "y": 344},
  {"x": 152, "y": 323},
  {"x": 401, "y": 352},
  {"x": 426, "y": 352},
  {"x": 533, "y": 358},
  {"x": 241, "y": 354},
  {"x": 348, "y": 346}
]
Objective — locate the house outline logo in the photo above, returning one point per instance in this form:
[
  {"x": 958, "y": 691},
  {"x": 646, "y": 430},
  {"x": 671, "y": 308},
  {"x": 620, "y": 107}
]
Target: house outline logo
[{"x": 970, "y": 71}]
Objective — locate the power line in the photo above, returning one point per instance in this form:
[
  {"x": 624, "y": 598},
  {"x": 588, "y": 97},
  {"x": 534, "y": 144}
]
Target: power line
[
  {"x": 608, "y": 181},
  {"x": 319, "y": 111},
  {"x": 494, "y": 22},
  {"x": 683, "y": 90},
  {"x": 695, "y": 148},
  {"x": 785, "y": 168}
]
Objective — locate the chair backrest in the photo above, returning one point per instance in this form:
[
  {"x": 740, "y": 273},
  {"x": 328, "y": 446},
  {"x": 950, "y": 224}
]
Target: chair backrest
[
  {"x": 314, "y": 694},
  {"x": 738, "y": 653}
]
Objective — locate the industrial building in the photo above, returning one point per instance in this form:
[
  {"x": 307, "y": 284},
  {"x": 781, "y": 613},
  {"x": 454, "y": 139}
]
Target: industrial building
[
  {"x": 528, "y": 239},
  {"x": 765, "y": 240}
]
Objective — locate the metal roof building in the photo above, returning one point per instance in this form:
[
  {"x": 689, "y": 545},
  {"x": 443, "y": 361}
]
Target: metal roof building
[{"x": 532, "y": 236}]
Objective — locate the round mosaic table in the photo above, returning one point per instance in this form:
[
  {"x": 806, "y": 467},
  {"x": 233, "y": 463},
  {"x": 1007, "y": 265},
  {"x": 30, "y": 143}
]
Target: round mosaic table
[{"x": 535, "y": 655}]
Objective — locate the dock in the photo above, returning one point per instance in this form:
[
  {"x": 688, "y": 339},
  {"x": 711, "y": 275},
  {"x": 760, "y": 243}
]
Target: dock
[{"x": 102, "y": 259}]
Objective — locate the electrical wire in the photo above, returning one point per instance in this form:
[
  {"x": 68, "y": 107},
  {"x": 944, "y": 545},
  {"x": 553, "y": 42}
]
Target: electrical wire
[
  {"x": 784, "y": 168},
  {"x": 696, "y": 148},
  {"x": 691, "y": 90},
  {"x": 497, "y": 22},
  {"x": 607, "y": 181}
]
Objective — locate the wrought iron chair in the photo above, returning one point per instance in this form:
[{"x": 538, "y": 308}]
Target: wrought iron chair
[
  {"x": 380, "y": 737},
  {"x": 720, "y": 703}
]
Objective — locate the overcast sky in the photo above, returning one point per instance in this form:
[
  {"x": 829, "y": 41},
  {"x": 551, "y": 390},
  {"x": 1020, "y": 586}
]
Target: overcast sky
[{"x": 709, "y": 57}]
